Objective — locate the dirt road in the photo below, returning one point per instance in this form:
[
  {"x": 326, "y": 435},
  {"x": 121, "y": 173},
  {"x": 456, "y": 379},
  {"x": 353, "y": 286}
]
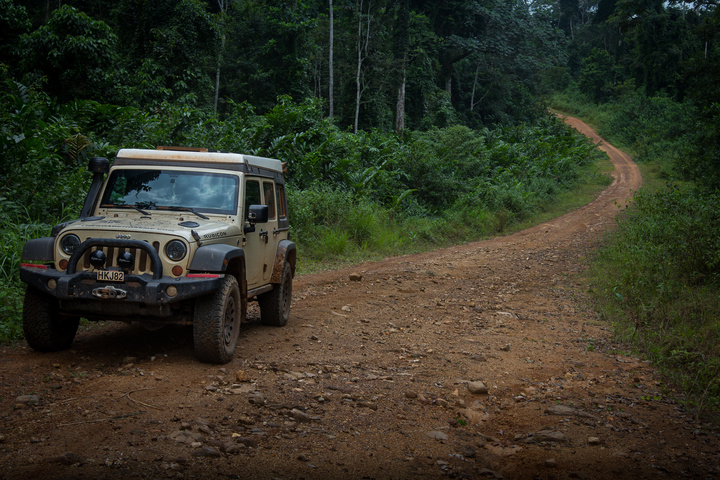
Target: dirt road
[{"x": 477, "y": 361}]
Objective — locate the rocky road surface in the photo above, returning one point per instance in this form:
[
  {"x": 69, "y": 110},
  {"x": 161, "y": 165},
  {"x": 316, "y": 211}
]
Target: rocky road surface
[{"x": 476, "y": 361}]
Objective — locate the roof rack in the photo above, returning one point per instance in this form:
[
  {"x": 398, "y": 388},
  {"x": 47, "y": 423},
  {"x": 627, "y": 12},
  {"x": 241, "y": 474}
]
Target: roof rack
[
  {"x": 182, "y": 149},
  {"x": 199, "y": 157}
]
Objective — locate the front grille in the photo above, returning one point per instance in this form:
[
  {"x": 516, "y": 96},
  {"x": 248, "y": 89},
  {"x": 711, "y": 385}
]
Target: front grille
[{"x": 143, "y": 264}]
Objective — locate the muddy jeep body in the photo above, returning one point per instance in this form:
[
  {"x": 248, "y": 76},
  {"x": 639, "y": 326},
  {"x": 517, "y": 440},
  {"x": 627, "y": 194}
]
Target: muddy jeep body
[{"x": 166, "y": 237}]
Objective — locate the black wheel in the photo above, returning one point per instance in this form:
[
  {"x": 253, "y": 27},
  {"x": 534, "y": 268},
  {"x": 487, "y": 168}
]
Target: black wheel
[
  {"x": 45, "y": 329},
  {"x": 275, "y": 304},
  {"x": 216, "y": 324}
]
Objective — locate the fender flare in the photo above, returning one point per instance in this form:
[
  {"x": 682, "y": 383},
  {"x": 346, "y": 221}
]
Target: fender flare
[
  {"x": 215, "y": 258},
  {"x": 39, "y": 250},
  {"x": 286, "y": 251}
]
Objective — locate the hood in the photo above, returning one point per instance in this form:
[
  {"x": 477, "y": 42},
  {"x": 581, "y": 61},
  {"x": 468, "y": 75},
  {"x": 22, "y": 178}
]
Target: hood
[{"x": 139, "y": 227}]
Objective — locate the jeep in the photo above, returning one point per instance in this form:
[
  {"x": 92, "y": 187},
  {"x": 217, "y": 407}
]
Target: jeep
[{"x": 166, "y": 236}]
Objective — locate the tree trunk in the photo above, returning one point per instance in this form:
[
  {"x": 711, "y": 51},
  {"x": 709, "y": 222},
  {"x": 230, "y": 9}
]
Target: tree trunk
[
  {"x": 472, "y": 97},
  {"x": 402, "y": 41},
  {"x": 223, "y": 10},
  {"x": 400, "y": 108},
  {"x": 217, "y": 73},
  {"x": 360, "y": 48},
  {"x": 359, "y": 66},
  {"x": 331, "y": 80},
  {"x": 446, "y": 67}
]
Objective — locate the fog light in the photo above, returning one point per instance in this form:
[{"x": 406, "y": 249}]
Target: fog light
[
  {"x": 171, "y": 291},
  {"x": 51, "y": 284},
  {"x": 177, "y": 270},
  {"x": 97, "y": 259},
  {"x": 126, "y": 260}
]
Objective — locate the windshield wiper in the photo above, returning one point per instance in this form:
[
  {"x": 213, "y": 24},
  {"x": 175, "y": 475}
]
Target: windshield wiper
[
  {"x": 188, "y": 209},
  {"x": 125, "y": 205}
]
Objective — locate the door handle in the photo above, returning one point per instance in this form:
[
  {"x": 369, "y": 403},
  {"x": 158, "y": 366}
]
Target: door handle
[{"x": 264, "y": 235}]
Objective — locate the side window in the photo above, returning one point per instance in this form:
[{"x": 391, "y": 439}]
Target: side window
[
  {"x": 281, "y": 201},
  {"x": 252, "y": 195},
  {"x": 270, "y": 198}
]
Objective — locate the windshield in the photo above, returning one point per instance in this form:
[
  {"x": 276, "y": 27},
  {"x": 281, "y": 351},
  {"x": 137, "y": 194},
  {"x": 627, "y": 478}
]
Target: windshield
[{"x": 172, "y": 189}]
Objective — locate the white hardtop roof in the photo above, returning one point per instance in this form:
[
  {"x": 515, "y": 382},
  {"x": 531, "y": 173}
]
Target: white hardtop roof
[{"x": 200, "y": 157}]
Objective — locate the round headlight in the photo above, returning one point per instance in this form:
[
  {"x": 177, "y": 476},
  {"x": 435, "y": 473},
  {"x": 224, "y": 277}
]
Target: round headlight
[
  {"x": 175, "y": 250},
  {"x": 69, "y": 243}
]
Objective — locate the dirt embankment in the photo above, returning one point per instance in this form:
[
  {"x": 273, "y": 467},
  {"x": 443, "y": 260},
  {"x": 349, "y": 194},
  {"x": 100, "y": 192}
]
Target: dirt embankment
[{"x": 469, "y": 362}]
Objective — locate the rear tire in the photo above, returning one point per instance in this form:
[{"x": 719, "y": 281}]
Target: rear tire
[
  {"x": 46, "y": 330},
  {"x": 275, "y": 304},
  {"x": 216, "y": 323}
]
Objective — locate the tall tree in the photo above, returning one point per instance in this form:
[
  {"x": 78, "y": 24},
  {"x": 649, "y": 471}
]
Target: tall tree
[
  {"x": 270, "y": 50},
  {"x": 74, "y": 52},
  {"x": 223, "y": 6},
  {"x": 14, "y": 22},
  {"x": 171, "y": 47},
  {"x": 459, "y": 26},
  {"x": 402, "y": 41},
  {"x": 703, "y": 75},
  {"x": 331, "y": 72},
  {"x": 363, "y": 44},
  {"x": 515, "y": 43}
]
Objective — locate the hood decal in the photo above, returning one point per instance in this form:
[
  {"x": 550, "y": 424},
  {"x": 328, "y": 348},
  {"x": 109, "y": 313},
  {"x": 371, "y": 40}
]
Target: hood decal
[{"x": 134, "y": 228}]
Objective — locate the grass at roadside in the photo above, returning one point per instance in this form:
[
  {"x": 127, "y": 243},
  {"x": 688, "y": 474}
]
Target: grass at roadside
[
  {"x": 333, "y": 248},
  {"x": 653, "y": 281},
  {"x": 657, "y": 278},
  {"x": 594, "y": 180}
]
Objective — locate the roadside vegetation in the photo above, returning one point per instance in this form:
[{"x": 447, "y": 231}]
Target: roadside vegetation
[
  {"x": 644, "y": 74},
  {"x": 657, "y": 278}
]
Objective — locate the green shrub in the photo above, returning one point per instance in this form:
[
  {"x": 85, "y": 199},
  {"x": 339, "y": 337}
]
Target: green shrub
[
  {"x": 11, "y": 298},
  {"x": 663, "y": 290},
  {"x": 14, "y": 232}
]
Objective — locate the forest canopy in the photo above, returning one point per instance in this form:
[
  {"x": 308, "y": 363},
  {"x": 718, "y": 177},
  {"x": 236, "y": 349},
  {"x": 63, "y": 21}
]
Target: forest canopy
[
  {"x": 475, "y": 62},
  {"x": 432, "y": 63}
]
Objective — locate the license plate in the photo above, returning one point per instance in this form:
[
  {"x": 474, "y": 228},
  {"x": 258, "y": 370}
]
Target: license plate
[{"x": 110, "y": 276}]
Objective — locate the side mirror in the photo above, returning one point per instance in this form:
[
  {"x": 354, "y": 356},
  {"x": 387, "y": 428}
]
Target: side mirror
[{"x": 256, "y": 214}]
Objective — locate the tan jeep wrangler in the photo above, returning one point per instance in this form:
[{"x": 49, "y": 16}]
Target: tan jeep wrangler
[{"x": 169, "y": 236}]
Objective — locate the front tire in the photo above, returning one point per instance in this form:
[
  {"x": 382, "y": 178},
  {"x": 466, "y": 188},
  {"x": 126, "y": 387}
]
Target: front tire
[
  {"x": 216, "y": 323},
  {"x": 275, "y": 304},
  {"x": 45, "y": 329}
]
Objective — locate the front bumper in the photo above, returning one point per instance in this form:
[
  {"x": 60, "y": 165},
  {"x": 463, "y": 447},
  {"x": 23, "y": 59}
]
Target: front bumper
[
  {"x": 135, "y": 289},
  {"x": 145, "y": 294}
]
